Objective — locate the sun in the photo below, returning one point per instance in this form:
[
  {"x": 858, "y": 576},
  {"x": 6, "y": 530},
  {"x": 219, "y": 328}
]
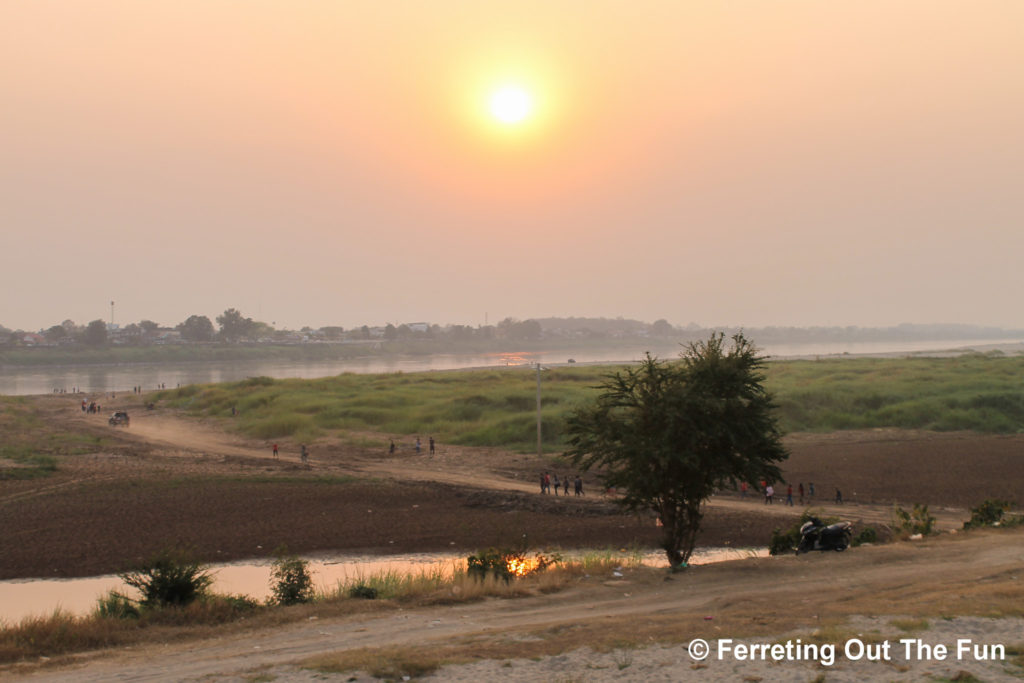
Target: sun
[{"x": 511, "y": 104}]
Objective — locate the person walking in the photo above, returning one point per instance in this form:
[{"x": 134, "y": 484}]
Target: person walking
[
  {"x": 810, "y": 489},
  {"x": 542, "y": 491},
  {"x": 419, "y": 446},
  {"x": 391, "y": 448},
  {"x": 839, "y": 497},
  {"x": 304, "y": 454},
  {"x": 557, "y": 484},
  {"x": 743, "y": 489},
  {"x": 431, "y": 442},
  {"x": 800, "y": 490},
  {"x": 275, "y": 450},
  {"x": 769, "y": 492},
  {"x": 578, "y": 485},
  {"x": 789, "y": 495}
]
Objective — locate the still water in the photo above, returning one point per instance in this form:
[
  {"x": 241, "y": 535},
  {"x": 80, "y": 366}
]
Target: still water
[
  {"x": 40, "y": 597},
  {"x": 117, "y": 378}
]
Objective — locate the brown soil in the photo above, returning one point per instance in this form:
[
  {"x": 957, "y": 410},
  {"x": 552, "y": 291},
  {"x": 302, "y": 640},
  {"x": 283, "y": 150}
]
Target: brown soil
[
  {"x": 172, "y": 481},
  {"x": 168, "y": 479}
]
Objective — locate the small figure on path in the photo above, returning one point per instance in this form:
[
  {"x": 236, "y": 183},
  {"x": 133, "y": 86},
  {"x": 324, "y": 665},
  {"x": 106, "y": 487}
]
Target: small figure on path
[
  {"x": 557, "y": 484},
  {"x": 800, "y": 489},
  {"x": 431, "y": 442},
  {"x": 547, "y": 483},
  {"x": 578, "y": 485},
  {"x": 391, "y": 448},
  {"x": 839, "y": 497},
  {"x": 810, "y": 487},
  {"x": 789, "y": 495},
  {"x": 419, "y": 446},
  {"x": 542, "y": 488},
  {"x": 743, "y": 489},
  {"x": 304, "y": 454},
  {"x": 275, "y": 450},
  {"x": 769, "y": 492}
]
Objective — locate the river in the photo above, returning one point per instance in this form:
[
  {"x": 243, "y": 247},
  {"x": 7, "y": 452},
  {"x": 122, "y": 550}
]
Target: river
[{"x": 21, "y": 380}]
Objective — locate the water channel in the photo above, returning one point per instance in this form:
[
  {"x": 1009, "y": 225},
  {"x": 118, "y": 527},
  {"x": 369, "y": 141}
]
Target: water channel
[{"x": 21, "y": 598}]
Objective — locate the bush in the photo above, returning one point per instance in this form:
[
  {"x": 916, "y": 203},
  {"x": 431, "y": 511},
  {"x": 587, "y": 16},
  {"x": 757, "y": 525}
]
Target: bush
[
  {"x": 362, "y": 591},
  {"x": 866, "y": 535},
  {"x": 506, "y": 564},
  {"x": 170, "y": 578},
  {"x": 990, "y": 513},
  {"x": 917, "y": 521},
  {"x": 113, "y": 605},
  {"x": 292, "y": 583}
]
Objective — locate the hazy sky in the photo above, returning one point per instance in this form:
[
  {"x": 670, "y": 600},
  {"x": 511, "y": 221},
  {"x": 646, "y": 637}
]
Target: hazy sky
[{"x": 334, "y": 162}]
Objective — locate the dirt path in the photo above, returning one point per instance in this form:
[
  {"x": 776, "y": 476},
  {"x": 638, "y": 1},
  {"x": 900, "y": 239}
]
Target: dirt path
[
  {"x": 189, "y": 437},
  {"x": 716, "y": 601}
]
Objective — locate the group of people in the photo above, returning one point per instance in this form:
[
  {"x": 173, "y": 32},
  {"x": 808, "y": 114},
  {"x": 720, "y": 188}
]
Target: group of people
[
  {"x": 303, "y": 452},
  {"x": 769, "y": 492},
  {"x": 419, "y": 446},
  {"x": 546, "y": 480}
]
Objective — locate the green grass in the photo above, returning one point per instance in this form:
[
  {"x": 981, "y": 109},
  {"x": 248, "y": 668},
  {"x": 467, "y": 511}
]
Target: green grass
[{"x": 498, "y": 407}]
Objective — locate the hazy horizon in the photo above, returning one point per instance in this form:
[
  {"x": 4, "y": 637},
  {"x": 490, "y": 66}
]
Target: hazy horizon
[{"x": 333, "y": 163}]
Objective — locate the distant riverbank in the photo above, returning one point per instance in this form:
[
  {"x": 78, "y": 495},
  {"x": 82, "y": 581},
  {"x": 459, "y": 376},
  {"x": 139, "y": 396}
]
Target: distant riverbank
[{"x": 119, "y": 369}]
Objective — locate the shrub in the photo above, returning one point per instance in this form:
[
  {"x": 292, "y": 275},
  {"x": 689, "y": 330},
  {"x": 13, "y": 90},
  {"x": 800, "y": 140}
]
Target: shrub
[
  {"x": 292, "y": 583},
  {"x": 113, "y": 605},
  {"x": 506, "y": 564},
  {"x": 866, "y": 535},
  {"x": 170, "y": 578},
  {"x": 362, "y": 591},
  {"x": 989, "y": 513},
  {"x": 917, "y": 521}
]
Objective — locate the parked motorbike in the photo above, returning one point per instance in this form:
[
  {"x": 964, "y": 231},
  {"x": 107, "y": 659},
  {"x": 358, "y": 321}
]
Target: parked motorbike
[{"x": 815, "y": 535}]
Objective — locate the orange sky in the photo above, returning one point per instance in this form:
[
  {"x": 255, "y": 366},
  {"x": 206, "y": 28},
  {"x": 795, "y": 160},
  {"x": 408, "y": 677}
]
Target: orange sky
[{"x": 326, "y": 162}]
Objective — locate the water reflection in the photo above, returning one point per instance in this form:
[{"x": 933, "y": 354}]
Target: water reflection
[{"x": 40, "y": 597}]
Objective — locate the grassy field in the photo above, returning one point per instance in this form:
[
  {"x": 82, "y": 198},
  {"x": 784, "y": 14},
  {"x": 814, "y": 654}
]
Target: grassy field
[
  {"x": 28, "y": 448},
  {"x": 498, "y": 407}
]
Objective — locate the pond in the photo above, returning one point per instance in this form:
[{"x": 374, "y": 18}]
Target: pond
[{"x": 22, "y": 598}]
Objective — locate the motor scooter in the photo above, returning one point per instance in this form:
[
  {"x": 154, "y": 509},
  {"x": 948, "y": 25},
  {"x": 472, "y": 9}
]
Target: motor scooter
[{"x": 815, "y": 535}]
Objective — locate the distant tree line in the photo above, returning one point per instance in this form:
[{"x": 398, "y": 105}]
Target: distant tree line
[{"x": 232, "y": 326}]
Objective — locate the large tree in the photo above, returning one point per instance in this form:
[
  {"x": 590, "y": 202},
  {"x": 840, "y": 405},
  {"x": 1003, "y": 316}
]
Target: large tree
[
  {"x": 197, "y": 328},
  {"x": 235, "y": 326},
  {"x": 95, "y": 333},
  {"x": 671, "y": 434}
]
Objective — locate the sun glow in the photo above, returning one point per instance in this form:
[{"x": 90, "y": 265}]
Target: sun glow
[{"x": 511, "y": 104}]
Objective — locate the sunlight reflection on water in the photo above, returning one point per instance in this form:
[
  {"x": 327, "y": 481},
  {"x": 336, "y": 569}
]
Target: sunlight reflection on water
[{"x": 37, "y": 597}]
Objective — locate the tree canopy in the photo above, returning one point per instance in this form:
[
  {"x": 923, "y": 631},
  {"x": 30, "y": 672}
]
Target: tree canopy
[
  {"x": 197, "y": 328},
  {"x": 95, "y": 333},
  {"x": 669, "y": 434},
  {"x": 235, "y": 326}
]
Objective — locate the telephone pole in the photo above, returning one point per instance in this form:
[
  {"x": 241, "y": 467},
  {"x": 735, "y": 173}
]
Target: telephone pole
[{"x": 538, "y": 411}]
